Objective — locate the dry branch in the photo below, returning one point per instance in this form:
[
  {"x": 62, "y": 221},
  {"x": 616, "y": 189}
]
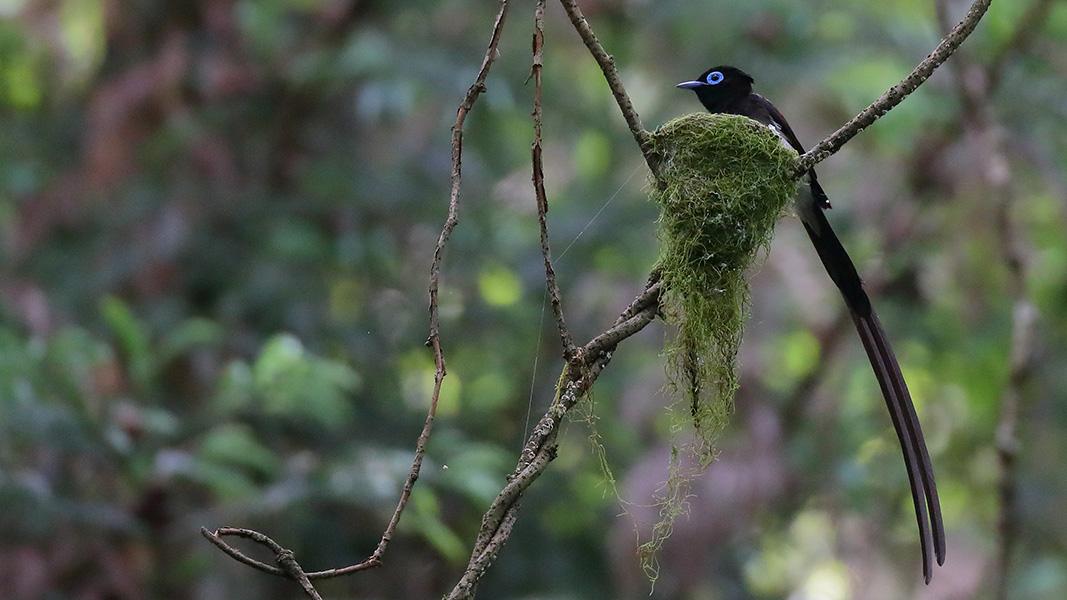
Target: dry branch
[
  {"x": 289, "y": 567},
  {"x": 541, "y": 447},
  {"x": 539, "y": 183}
]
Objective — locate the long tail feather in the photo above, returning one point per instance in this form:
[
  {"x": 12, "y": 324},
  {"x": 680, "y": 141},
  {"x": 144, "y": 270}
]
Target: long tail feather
[
  {"x": 895, "y": 391},
  {"x": 906, "y": 424}
]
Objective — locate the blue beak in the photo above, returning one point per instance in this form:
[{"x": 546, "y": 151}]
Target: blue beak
[{"x": 689, "y": 85}]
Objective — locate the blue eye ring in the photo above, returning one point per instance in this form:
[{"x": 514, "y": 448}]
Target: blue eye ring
[{"x": 714, "y": 77}]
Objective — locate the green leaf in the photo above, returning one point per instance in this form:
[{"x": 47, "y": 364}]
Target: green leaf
[
  {"x": 295, "y": 383},
  {"x": 132, "y": 337},
  {"x": 236, "y": 445},
  {"x": 499, "y": 286},
  {"x": 190, "y": 334},
  {"x": 592, "y": 154},
  {"x": 424, "y": 518}
]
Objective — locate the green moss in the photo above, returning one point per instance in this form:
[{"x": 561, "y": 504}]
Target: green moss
[{"x": 722, "y": 183}]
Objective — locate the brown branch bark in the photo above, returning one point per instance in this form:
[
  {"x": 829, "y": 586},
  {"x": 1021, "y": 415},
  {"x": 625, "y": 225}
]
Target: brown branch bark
[
  {"x": 289, "y": 567},
  {"x": 539, "y": 184},
  {"x": 541, "y": 447},
  {"x": 452, "y": 220}
]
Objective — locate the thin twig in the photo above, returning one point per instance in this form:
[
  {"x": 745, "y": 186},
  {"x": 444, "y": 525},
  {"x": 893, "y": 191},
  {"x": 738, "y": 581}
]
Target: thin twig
[
  {"x": 897, "y": 93},
  {"x": 540, "y": 449},
  {"x": 473, "y": 92},
  {"x": 434, "y": 340},
  {"x": 215, "y": 537},
  {"x": 289, "y": 566},
  {"x": 539, "y": 184}
]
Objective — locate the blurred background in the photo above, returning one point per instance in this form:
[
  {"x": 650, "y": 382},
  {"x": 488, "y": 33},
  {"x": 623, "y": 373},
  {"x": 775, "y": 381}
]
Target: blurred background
[{"x": 216, "y": 224}]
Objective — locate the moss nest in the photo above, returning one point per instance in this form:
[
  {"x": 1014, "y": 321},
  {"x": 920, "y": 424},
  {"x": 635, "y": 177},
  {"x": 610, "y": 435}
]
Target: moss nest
[{"x": 722, "y": 183}]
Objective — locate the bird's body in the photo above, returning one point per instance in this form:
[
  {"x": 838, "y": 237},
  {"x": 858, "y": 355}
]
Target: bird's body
[{"x": 726, "y": 89}]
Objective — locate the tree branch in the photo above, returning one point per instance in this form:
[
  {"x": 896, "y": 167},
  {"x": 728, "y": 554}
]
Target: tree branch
[
  {"x": 539, "y": 184},
  {"x": 473, "y": 92},
  {"x": 540, "y": 449},
  {"x": 289, "y": 566}
]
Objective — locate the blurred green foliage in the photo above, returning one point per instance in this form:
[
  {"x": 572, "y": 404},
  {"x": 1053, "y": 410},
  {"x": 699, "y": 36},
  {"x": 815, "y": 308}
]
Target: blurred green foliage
[{"x": 216, "y": 223}]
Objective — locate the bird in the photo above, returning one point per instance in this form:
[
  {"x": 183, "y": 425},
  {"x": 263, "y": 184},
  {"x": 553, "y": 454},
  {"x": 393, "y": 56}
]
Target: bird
[{"x": 726, "y": 89}]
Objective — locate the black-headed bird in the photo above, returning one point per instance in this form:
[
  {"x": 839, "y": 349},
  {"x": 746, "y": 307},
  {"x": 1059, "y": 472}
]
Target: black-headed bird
[{"x": 726, "y": 89}]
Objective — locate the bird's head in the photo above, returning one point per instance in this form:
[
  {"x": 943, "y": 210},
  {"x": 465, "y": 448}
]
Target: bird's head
[{"x": 719, "y": 85}]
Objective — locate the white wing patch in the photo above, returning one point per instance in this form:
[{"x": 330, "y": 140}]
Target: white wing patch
[
  {"x": 781, "y": 134},
  {"x": 805, "y": 206}
]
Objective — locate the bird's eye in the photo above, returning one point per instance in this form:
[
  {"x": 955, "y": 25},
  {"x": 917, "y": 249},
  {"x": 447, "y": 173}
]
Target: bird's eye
[{"x": 714, "y": 77}]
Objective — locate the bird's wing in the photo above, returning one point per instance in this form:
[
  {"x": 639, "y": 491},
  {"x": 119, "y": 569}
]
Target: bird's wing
[{"x": 779, "y": 123}]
